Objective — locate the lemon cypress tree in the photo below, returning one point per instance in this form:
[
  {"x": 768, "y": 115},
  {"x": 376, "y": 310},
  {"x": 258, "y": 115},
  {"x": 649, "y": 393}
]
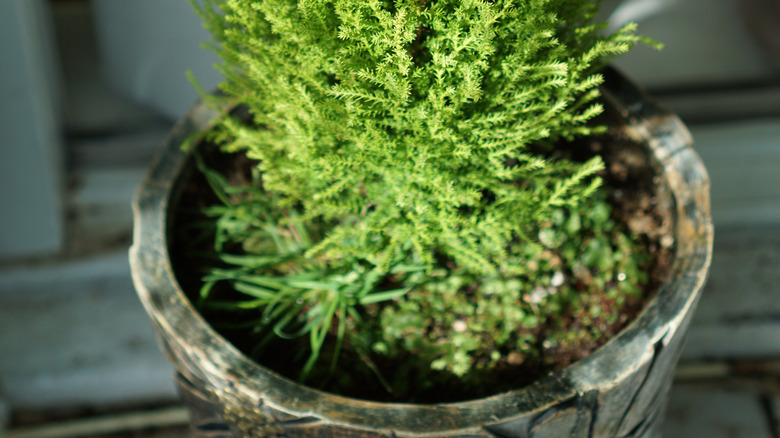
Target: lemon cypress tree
[{"x": 399, "y": 140}]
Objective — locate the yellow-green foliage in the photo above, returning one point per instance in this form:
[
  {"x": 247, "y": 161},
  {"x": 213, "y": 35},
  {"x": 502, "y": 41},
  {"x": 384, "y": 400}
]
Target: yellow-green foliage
[{"x": 410, "y": 121}]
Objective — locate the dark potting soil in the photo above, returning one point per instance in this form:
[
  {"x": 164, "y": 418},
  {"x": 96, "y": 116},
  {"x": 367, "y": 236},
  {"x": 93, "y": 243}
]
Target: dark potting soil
[{"x": 640, "y": 199}]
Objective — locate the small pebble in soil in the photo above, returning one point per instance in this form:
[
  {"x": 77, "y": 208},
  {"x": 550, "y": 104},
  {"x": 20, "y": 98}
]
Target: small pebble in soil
[
  {"x": 515, "y": 358},
  {"x": 536, "y": 296},
  {"x": 557, "y": 279},
  {"x": 459, "y": 326}
]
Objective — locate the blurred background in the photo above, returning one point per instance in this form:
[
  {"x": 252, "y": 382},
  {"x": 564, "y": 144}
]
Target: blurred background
[{"x": 89, "y": 89}]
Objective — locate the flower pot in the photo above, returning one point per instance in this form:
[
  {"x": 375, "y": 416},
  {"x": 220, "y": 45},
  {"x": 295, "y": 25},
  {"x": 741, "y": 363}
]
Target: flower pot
[{"x": 618, "y": 391}]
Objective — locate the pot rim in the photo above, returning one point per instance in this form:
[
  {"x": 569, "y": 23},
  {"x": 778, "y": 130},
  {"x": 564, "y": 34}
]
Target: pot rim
[{"x": 670, "y": 144}]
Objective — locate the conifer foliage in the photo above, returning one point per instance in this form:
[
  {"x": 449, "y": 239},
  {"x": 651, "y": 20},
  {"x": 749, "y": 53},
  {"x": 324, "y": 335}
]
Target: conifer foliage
[
  {"x": 409, "y": 136},
  {"x": 414, "y": 118}
]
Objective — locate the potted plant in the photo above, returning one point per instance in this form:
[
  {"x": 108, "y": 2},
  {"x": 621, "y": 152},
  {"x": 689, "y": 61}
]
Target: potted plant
[{"x": 422, "y": 218}]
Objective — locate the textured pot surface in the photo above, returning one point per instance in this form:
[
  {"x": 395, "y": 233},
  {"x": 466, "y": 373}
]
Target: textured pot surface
[{"x": 618, "y": 391}]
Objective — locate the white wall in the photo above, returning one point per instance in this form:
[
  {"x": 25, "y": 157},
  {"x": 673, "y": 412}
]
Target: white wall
[
  {"x": 31, "y": 212},
  {"x": 147, "y": 46}
]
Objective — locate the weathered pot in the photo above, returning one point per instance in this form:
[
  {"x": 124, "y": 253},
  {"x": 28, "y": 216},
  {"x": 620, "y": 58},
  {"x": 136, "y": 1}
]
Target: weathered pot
[{"x": 618, "y": 391}]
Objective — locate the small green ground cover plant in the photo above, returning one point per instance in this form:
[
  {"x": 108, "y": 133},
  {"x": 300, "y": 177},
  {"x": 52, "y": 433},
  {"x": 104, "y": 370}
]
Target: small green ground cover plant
[{"x": 405, "y": 215}]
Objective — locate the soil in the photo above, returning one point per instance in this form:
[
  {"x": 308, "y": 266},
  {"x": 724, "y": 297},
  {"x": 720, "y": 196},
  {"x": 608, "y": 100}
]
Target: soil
[{"x": 640, "y": 200}]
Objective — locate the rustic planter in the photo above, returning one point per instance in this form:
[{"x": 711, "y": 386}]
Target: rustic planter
[{"x": 618, "y": 391}]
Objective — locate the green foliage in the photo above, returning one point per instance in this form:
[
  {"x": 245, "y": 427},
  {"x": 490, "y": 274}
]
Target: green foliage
[
  {"x": 404, "y": 170},
  {"x": 413, "y": 123},
  {"x": 458, "y": 321},
  {"x": 293, "y": 295}
]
